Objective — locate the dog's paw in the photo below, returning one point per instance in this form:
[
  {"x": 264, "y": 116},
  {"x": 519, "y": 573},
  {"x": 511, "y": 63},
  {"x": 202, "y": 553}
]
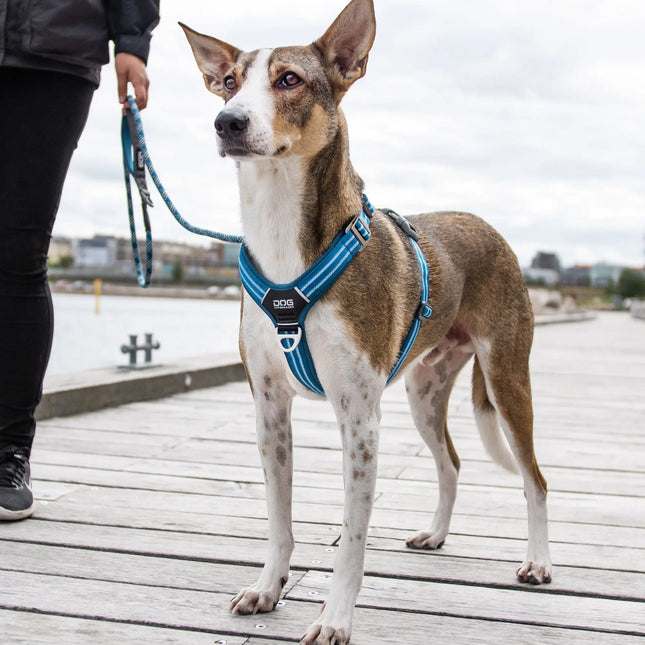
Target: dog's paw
[
  {"x": 325, "y": 635},
  {"x": 252, "y": 601},
  {"x": 426, "y": 540},
  {"x": 534, "y": 573}
]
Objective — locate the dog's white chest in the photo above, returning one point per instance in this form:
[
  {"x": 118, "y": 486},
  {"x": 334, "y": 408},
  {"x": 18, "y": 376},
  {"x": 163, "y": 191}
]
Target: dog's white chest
[{"x": 271, "y": 204}]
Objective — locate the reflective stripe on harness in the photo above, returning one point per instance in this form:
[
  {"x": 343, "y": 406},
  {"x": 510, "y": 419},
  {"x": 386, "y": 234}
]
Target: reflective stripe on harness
[{"x": 287, "y": 305}]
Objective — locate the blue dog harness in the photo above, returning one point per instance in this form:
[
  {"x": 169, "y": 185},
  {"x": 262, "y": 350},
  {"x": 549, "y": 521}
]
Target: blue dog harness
[{"x": 287, "y": 305}]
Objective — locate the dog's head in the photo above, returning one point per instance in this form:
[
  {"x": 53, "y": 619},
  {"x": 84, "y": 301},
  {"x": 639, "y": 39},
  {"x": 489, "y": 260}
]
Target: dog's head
[{"x": 284, "y": 101}]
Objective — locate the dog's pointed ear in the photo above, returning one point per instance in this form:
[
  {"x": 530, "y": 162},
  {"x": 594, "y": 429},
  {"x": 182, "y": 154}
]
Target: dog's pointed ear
[
  {"x": 214, "y": 58},
  {"x": 347, "y": 43}
]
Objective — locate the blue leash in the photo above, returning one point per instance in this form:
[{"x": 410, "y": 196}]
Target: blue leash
[{"x": 135, "y": 149}]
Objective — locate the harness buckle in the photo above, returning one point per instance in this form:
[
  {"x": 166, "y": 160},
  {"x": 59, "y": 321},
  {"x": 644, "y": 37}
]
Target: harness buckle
[
  {"x": 424, "y": 311},
  {"x": 402, "y": 223},
  {"x": 288, "y": 336},
  {"x": 352, "y": 227}
]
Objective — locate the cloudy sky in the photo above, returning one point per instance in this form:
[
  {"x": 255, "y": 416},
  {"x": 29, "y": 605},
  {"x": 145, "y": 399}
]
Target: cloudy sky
[{"x": 530, "y": 113}]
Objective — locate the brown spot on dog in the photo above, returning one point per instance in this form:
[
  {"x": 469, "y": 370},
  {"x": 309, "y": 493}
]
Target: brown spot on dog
[
  {"x": 441, "y": 370},
  {"x": 438, "y": 400},
  {"x": 367, "y": 457},
  {"x": 281, "y": 455},
  {"x": 425, "y": 390}
]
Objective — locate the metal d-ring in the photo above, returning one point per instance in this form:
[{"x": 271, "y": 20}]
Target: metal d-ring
[{"x": 295, "y": 337}]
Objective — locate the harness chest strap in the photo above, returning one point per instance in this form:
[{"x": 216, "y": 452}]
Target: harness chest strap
[{"x": 287, "y": 305}]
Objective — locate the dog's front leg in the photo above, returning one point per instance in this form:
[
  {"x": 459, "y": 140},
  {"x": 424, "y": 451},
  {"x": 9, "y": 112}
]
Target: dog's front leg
[
  {"x": 273, "y": 411},
  {"x": 358, "y": 416}
]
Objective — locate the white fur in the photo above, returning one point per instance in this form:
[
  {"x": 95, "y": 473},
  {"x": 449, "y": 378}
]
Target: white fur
[
  {"x": 488, "y": 423},
  {"x": 254, "y": 99},
  {"x": 493, "y": 439},
  {"x": 271, "y": 205}
]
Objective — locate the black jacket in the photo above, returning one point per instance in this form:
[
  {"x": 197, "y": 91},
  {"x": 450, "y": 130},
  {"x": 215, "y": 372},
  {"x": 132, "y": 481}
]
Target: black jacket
[{"x": 72, "y": 36}]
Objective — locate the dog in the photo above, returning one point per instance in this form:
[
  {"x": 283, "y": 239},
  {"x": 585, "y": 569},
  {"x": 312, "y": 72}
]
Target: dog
[{"x": 283, "y": 127}]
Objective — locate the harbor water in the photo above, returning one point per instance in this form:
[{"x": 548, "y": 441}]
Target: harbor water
[{"x": 84, "y": 339}]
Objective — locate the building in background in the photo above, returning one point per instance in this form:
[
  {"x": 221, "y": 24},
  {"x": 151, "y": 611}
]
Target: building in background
[
  {"x": 578, "y": 275},
  {"x": 100, "y": 251},
  {"x": 111, "y": 258},
  {"x": 604, "y": 275}
]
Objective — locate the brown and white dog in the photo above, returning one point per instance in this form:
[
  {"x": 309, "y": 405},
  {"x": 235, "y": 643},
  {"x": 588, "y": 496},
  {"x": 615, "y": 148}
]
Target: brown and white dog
[{"x": 283, "y": 126}]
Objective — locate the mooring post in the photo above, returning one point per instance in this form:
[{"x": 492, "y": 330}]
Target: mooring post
[{"x": 133, "y": 348}]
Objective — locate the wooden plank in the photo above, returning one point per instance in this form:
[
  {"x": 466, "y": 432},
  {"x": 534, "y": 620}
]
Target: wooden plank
[
  {"x": 179, "y": 570},
  {"x": 30, "y": 628},
  {"x": 383, "y": 556},
  {"x": 394, "y": 453},
  {"x": 150, "y": 570},
  {"x": 306, "y": 509},
  {"x": 207, "y": 612},
  {"x": 382, "y": 539},
  {"x": 180, "y": 520},
  {"x": 519, "y": 605},
  {"x": 610, "y": 548},
  {"x": 419, "y": 476}
]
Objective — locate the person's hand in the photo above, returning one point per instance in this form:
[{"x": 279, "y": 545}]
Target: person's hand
[{"x": 131, "y": 69}]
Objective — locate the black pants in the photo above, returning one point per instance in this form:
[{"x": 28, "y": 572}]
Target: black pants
[{"x": 42, "y": 116}]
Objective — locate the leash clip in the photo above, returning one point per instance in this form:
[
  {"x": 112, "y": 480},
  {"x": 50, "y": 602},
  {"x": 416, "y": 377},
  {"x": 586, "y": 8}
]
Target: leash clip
[{"x": 133, "y": 156}]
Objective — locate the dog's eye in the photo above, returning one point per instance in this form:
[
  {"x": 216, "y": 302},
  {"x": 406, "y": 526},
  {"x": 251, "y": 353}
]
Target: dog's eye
[
  {"x": 230, "y": 84},
  {"x": 289, "y": 80}
]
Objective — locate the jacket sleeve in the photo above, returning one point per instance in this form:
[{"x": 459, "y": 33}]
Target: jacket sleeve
[{"x": 130, "y": 23}]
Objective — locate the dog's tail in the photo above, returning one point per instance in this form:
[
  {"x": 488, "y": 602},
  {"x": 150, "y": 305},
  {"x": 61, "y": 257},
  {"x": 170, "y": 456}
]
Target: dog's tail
[
  {"x": 488, "y": 423},
  {"x": 493, "y": 438}
]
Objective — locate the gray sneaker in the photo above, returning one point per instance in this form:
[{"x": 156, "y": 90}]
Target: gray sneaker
[{"x": 16, "y": 498}]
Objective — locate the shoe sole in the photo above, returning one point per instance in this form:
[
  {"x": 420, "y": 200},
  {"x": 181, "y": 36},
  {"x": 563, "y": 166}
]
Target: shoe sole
[{"x": 12, "y": 516}]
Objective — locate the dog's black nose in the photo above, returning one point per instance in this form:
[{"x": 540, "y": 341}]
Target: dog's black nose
[{"x": 231, "y": 123}]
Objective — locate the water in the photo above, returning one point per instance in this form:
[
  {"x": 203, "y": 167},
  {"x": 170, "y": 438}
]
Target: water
[{"x": 184, "y": 327}]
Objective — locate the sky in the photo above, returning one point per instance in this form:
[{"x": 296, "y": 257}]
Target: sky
[{"x": 529, "y": 113}]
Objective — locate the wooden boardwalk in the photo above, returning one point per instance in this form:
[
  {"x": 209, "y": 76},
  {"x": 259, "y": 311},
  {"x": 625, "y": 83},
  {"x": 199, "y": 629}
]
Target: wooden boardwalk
[{"x": 152, "y": 517}]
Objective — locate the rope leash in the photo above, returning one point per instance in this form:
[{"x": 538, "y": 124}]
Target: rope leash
[{"x": 136, "y": 159}]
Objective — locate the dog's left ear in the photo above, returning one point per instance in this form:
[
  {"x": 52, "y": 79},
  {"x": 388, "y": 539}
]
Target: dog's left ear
[
  {"x": 214, "y": 57},
  {"x": 346, "y": 44}
]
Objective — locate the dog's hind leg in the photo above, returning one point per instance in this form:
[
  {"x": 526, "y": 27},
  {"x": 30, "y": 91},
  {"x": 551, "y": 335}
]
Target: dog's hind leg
[
  {"x": 502, "y": 384},
  {"x": 428, "y": 388},
  {"x": 273, "y": 410}
]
